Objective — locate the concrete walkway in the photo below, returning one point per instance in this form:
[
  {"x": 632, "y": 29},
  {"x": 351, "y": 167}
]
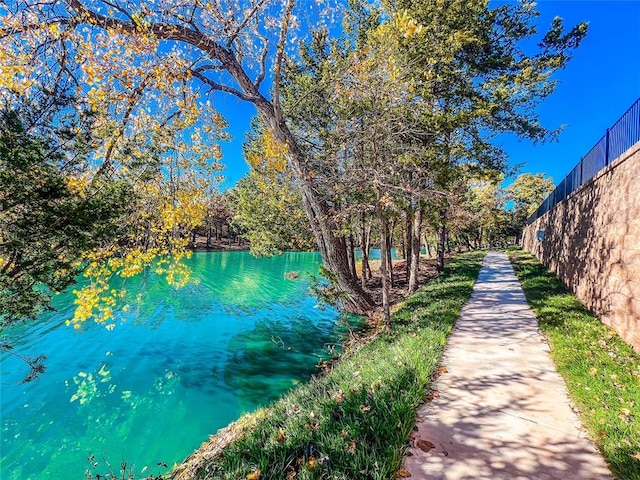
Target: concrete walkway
[{"x": 501, "y": 411}]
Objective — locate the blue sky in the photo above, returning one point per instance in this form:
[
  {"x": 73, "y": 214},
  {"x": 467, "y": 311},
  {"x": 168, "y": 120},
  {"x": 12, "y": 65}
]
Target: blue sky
[{"x": 596, "y": 88}]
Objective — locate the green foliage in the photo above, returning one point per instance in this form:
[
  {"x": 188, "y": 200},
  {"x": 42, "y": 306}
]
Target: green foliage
[
  {"x": 601, "y": 371},
  {"x": 354, "y": 422},
  {"x": 45, "y": 224},
  {"x": 268, "y": 206},
  {"x": 270, "y": 212},
  {"x": 472, "y": 58},
  {"x": 527, "y": 192}
]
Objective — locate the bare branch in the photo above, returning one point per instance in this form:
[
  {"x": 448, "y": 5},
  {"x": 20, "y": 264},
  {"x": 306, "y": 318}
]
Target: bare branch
[
  {"x": 7, "y": 32},
  {"x": 263, "y": 63},
  {"x": 220, "y": 87},
  {"x": 190, "y": 36},
  {"x": 247, "y": 19}
]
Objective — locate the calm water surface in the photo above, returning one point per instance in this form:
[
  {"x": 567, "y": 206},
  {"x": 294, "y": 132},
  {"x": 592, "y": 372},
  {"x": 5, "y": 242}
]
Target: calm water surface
[{"x": 179, "y": 365}]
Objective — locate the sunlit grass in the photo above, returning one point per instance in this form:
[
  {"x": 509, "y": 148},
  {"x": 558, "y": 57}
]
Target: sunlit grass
[
  {"x": 354, "y": 423},
  {"x": 601, "y": 371}
]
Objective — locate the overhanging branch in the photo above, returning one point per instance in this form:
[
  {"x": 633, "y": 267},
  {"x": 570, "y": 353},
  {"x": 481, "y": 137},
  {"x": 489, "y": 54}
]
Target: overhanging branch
[{"x": 213, "y": 85}]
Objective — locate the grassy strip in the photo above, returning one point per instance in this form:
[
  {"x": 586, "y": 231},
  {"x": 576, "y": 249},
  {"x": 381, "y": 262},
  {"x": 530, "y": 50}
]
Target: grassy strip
[
  {"x": 355, "y": 421},
  {"x": 602, "y": 372}
]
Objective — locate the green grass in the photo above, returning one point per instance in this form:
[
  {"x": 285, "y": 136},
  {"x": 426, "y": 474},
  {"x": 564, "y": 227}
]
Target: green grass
[
  {"x": 601, "y": 371},
  {"x": 355, "y": 421}
]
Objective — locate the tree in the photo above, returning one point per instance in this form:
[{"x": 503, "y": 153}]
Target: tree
[
  {"x": 143, "y": 133},
  {"x": 527, "y": 192},
  {"x": 46, "y": 223},
  {"x": 222, "y": 49},
  {"x": 466, "y": 61},
  {"x": 469, "y": 62}
]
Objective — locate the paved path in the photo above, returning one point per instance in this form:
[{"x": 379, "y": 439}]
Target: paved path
[{"x": 502, "y": 410}]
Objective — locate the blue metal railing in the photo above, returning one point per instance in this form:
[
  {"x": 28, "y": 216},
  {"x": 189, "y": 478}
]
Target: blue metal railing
[{"x": 624, "y": 134}]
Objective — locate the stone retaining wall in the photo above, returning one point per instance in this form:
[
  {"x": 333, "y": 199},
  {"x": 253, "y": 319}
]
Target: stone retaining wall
[{"x": 592, "y": 242}]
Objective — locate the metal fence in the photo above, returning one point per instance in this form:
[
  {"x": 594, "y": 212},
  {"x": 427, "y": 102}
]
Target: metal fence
[{"x": 619, "y": 138}]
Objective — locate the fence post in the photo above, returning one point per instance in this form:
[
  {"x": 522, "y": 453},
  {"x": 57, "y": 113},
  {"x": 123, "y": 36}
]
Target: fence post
[
  {"x": 580, "y": 179},
  {"x": 606, "y": 148}
]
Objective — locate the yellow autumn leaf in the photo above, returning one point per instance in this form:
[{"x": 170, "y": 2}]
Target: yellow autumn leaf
[{"x": 255, "y": 475}]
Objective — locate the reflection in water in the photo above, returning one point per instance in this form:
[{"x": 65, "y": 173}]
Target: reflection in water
[
  {"x": 267, "y": 361},
  {"x": 179, "y": 365}
]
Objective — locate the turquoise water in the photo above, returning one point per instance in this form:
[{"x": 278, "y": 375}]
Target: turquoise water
[{"x": 179, "y": 365}]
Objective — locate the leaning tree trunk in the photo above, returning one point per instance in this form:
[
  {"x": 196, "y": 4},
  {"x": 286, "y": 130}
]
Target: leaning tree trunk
[
  {"x": 332, "y": 247},
  {"x": 416, "y": 234},
  {"x": 467, "y": 242}
]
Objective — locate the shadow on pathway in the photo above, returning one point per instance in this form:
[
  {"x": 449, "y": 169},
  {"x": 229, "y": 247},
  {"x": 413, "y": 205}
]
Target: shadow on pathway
[{"x": 501, "y": 411}]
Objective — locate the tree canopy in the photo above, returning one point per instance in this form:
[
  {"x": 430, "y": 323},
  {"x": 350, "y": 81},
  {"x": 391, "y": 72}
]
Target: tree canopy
[
  {"x": 378, "y": 118},
  {"x": 46, "y": 222}
]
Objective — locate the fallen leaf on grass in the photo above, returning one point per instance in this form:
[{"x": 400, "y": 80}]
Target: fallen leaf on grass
[
  {"x": 365, "y": 408},
  {"x": 352, "y": 447},
  {"x": 313, "y": 425},
  {"x": 403, "y": 473},
  {"x": 281, "y": 435},
  {"x": 255, "y": 475},
  {"x": 443, "y": 370},
  {"x": 425, "y": 445},
  {"x": 636, "y": 456}
]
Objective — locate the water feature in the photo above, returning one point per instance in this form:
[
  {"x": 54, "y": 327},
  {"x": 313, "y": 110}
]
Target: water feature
[{"x": 179, "y": 365}]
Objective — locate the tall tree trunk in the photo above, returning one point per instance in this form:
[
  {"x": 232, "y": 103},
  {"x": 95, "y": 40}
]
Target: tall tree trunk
[
  {"x": 352, "y": 256},
  {"x": 416, "y": 235},
  {"x": 387, "y": 252},
  {"x": 384, "y": 247},
  {"x": 467, "y": 242},
  {"x": 442, "y": 239},
  {"x": 364, "y": 246},
  {"x": 408, "y": 239},
  {"x": 427, "y": 246},
  {"x": 367, "y": 245}
]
